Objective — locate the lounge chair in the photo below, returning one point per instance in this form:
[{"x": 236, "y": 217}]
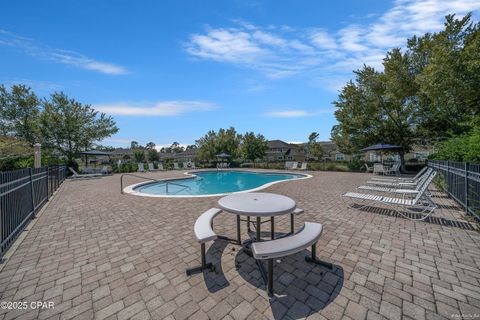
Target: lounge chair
[
  {"x": 294, "y": 165},
  {"x": 378, "y": 168},
  {"x": 104, "y": 170},
  {"x": 417, "y": 202},
  {"x": 140, "y": 167},
  {"x": 394, "y": 170},
  {"x": 151, "y": 167},
  {"x": 401, "y": 183},
  {"x": 401, "y": 187},
  {"x": 288, "y": 165},
  {"x": 160, "y": 166},
  {"x": 193, "y": 165},
  {"x": 368, "y": 169},
  {"x": 303, "y": 167},
  {"x": 403, "y": 179},
  {"x": 75, "y": 174},
  {"x": 175, "y": 166}
]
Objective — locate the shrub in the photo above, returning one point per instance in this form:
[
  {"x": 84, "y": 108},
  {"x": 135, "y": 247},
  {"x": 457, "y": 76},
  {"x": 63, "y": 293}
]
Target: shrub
[{"x": 460, "y": 148}]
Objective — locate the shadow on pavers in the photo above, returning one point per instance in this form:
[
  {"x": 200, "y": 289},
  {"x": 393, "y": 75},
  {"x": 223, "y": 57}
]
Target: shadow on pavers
[
  {"x": 216, "y": 281},
  {"x": 300, "y": 288}
]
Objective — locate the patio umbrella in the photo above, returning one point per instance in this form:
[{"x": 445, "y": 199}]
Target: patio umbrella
[
  {"x": 223, "y": 155},
  {"x": 381, "y": 146}
]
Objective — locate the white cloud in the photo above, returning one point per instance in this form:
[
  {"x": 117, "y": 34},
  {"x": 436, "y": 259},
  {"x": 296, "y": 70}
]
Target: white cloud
[
  {"x": 160, "y": 109},
  {"x": 29, "y": 47},
  {"x": 284, "y": 51},
  {"x": 323, "y": 40}
]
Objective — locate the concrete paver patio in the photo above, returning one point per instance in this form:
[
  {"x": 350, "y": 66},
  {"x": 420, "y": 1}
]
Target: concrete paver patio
[{"x": 98, "y": 254}]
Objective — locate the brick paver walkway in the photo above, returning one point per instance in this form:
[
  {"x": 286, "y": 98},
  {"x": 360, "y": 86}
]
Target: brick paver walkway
[{"x": 98, "y": 254}]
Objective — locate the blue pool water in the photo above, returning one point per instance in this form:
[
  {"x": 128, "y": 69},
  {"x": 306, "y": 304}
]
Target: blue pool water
[{"x": 214, "y": 182}]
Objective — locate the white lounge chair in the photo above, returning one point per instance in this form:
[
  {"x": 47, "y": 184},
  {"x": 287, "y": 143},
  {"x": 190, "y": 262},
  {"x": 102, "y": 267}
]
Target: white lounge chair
[
  {"x": 401, "y": 183},
  {"x": 378, "y": 168},
  {"x": 151, "y": 167},
  {"x": 288, "y": 165},
  {"x": 273, "y": 249},
  {"x": 193, "y": 165},
  {"x": 294, "y": 165},
  {"x": 160, "y": 166},
  {"x": 303, "y": 167},
  {"x": 204, "y": 232},
  {"x": 75, "y": 174},
  {"x": 368, "y": 169},
  {"x": 394, "y": 170},
  {"x": 175, "y": 166},
  {"x": 403, "y": 179},
  {"x": 140, "y": 167},
  {"x": 421, "y": 203},
  {"x": 399, "y": 187}
]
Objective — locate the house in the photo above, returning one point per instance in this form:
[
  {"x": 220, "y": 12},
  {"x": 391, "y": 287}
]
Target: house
[
  {"x": 330, "y": 152},
  {"x": 278, "y": 150},
  {"x": 187, "y": 155}
]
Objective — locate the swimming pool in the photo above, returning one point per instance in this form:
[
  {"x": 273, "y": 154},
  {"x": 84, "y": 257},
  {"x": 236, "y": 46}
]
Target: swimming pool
[{"x": 212, "y": 183}]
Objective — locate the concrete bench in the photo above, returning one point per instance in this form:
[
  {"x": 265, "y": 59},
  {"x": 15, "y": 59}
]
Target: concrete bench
[
  {"x": 204, "y": 232},
  {"x": 269, "y": 250}
]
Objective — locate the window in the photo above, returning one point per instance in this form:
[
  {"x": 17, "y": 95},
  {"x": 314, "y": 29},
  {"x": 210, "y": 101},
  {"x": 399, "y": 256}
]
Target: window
[{"x": 339, "y": 157}]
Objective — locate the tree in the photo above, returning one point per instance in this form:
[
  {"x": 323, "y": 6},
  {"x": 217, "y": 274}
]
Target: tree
[
  {"x": 253, "y": 146},
  {"x": 135, "y": 145},
  {"x": 176, "y": 148},
  {"x": 314, "y": 148},
  {"x": 207, "y": 146},
  {"x": 152, "y": 155},
  {"x": 19, "y": 113},
  {"x": 69, "y": 126},
  {"x": 150, "y": 146},
  {"x": 191, "y": 147},
  {"x": 448, "y": 78},
  {"x": 428, "y": 93},
  {"x": 378, "y": 107},
  {"x": 213, "y": 143},
  {"x": 139, "y": 155},
  {"x": 313, "y": 137}
]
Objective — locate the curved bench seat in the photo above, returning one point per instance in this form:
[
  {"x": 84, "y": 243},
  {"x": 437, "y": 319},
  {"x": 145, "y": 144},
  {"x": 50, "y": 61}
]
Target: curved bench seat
[
  {"x": 282, "y": 247},
  {"x": 204, "y": 232},
  {"x": 269, "y": 250},
  {"x": 203, "y": 226}
]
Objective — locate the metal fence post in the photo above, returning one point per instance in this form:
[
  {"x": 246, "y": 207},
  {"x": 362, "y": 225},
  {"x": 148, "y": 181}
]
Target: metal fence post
[
  {"x": 46, "y": 181},
  {"x": 467, "y": 169},
  {"x": 33, "y": 191},
  {"x": 448, "y": 176}
]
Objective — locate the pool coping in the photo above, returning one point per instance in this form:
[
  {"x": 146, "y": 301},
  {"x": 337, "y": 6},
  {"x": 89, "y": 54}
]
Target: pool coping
[{"x": 191, "y": 175}]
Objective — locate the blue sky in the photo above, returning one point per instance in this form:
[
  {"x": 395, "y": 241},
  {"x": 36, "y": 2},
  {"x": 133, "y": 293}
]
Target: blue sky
[{"x": 172, "y": 70}]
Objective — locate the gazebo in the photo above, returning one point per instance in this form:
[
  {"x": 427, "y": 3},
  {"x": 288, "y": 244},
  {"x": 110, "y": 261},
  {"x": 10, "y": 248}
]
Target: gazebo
[{"x": 94, "y": 153}]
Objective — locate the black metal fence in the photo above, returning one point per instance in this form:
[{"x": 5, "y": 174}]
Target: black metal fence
[
  {"x": 462, "y": 182},
  {"x": 22, "y": 194}
]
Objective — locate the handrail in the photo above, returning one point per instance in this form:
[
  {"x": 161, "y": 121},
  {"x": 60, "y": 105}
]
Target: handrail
[{"x": 151, "y": 179}]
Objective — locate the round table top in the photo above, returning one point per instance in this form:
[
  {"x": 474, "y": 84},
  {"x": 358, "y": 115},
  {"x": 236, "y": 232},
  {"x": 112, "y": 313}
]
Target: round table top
[{"x": 258, "y": 204}]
